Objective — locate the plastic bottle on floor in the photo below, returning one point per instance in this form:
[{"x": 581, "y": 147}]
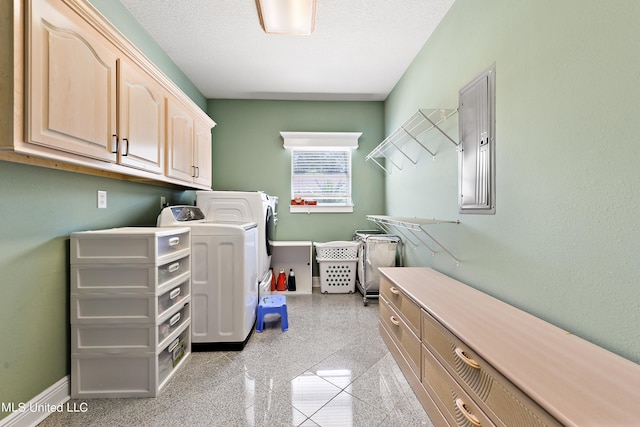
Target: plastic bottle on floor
[{"x": 291, "y": 284}]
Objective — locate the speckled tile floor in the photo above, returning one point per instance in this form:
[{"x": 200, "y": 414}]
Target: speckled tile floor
[{"x": 331, "y": 368}]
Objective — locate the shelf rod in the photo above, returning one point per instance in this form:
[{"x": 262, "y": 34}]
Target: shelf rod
[
  {"x": 438, "y": 127},
  {"x": 416, "y": 139}
]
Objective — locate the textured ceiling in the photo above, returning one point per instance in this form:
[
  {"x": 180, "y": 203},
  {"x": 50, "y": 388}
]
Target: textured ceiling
[{"x": 358, "y": 51}]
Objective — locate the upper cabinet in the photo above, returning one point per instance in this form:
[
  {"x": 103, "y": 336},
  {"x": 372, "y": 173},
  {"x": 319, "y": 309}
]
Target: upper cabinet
[
  {"x": 71, "y": 84},
  {"x": 202, "y": 160},
  {"x": 141, "y": 126},
  {"x": 188, "y": 146},
  {"x": 92, "y": 101}
]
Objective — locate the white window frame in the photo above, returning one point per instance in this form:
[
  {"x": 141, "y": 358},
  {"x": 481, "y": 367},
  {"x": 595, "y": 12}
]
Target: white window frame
[{"x": 322, "y": 141}]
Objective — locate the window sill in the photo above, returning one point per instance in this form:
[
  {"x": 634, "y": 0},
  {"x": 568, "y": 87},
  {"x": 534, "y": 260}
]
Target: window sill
[{"x": 308, "y": 209}]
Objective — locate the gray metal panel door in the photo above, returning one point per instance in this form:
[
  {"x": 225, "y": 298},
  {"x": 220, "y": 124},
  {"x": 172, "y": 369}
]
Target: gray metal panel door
[{"x": 476, "y": 158}]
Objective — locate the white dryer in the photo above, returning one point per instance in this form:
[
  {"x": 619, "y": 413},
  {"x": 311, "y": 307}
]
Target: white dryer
[
  {"x": 245, "y": 206},
  {"x": 224, "y": 277}
]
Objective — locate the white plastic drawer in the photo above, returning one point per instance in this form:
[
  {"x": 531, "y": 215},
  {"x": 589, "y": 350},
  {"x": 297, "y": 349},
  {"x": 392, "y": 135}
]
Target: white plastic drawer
[
  {"x": 113, "y": 338},
  {"x": 171, "y": 270},
  {"x": 131, "y": 278},
  {"x": 174, "y": 243},
  {"x": 129, "y": 245},
  {"x": 173, "y": 296},
  {"x": 102, "y": 375},
  {"x": 108, "y": 308},
  {"x": 172, "y": 355},
  {"x": 173, "y": 323}
]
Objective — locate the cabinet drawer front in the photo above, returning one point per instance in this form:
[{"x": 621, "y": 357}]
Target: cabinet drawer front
[
  {"x": 455, "y": 404},
  {"x": 408, "y": 309},
  {"x": 406, "y": 340},
  {"x": 509, "y": 405}
]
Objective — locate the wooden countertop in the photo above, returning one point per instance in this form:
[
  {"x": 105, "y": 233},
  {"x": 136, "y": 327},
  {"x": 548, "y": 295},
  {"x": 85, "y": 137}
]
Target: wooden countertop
[{"x": 576, "y": 381}]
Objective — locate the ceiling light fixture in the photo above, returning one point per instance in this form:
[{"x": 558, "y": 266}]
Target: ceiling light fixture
[{"x": 287, "y": 16}]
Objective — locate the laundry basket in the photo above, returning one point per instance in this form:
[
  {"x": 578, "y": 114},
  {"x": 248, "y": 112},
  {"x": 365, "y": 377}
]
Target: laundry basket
[
  {"x": 338, "y": 263},
  {"x": 377, "y": 250}
]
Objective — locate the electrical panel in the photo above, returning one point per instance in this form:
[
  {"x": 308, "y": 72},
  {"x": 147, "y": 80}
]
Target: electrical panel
[{"x": 476, "y": 158}]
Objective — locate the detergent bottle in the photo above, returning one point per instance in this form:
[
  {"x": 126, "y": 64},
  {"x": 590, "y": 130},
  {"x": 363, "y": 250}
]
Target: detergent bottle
[{"x": 282, "y": 281}]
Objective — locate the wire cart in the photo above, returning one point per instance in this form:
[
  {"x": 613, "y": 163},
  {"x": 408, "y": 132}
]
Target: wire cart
[{"x": 377, "y": 250}]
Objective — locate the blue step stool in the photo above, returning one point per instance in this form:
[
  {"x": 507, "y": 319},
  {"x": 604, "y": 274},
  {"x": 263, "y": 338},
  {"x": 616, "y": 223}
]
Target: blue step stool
[{"x": 272, "y": 304}]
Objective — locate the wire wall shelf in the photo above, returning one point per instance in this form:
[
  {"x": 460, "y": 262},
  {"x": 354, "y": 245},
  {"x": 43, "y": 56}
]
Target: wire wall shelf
[
  {"x": 412, "y": 228},
  {"x": 417, "y": 129}
]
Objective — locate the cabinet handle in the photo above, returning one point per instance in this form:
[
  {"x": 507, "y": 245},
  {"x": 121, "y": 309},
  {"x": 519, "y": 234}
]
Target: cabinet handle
[
  {"x": 175, "y": 319},
  {"x": 394, "y": 320},
  {"x": 193, "y": 171},
  {"x": 197, "y": 171},
  {"x": 466, "y": 359},
  {"x": 174, "y": 241},
  {"x": 126, "y": 153},
  {"x": 467, "y": 414},
  {"x": 114, "y": 143},
  {"x": 174, "y": 293},
  {"x": 394, "y": 290},
  {"x": 174, "y": 267}
]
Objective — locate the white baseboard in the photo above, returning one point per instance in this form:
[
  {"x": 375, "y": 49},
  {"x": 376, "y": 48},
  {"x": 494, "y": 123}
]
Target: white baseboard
[{"x": 28, "y": 414}]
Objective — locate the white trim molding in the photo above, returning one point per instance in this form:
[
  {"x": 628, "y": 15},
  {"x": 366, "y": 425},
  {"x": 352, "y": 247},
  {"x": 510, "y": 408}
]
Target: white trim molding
[
  {"x": 320, "y": 139},
  {"x": 27, "y": 414}
]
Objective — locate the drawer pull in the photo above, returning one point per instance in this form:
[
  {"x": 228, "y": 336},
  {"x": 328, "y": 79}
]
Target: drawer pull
[
  {"x": 174, "y": 293},
  {"x": 467, "y": 414},
  {"x": 466, "y": 359},
  {"x": 175, "y": 319},
  {"x": 174, "y": 267},
  {"x": 394, "y": 320},
  {"x": 174, "y": 241},
  {"x": 394, "y": 290},
  {"x": 174, "y": 345}
]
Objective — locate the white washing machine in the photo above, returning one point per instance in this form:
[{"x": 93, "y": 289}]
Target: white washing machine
[
  {"x": 245, "y": 206},
  {"x": 224, "y": 277}
]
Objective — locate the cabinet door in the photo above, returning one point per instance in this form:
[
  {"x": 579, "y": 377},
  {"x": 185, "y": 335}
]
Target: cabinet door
[
  {"x": 142, "y": 114},
  {"x": 71, "y": 83},
  {"x": 202, "y": 155},
  {"x": 180, "y": 137}
]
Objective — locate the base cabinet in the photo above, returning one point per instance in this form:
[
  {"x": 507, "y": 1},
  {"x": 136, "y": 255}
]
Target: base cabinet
[
  {"x": 474, "y": 361},
  {"x": 130, "y": 310}
]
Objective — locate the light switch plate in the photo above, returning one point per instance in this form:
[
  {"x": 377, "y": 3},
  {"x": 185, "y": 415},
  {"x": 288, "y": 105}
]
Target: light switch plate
[{"x": 102, "y": 199}]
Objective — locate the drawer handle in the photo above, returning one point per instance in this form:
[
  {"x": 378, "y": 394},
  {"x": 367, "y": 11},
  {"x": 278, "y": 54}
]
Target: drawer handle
[
  {"x": 174, "y": 267},
  {"x": 394, "y": 320},
  {"x": 173, "y": 345},
  {"x": 175, "y": 319},
  {"x": 466, "y": 359},
  {"x": 174, "y": 293},
  {"x": 174, "y": 241},
  {"x": 394, "y": 290},
  {"x": 467, "y": 414}
]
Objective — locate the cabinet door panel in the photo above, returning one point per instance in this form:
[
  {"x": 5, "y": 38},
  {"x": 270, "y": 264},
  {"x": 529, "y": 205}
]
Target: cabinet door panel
[
  {"x": 72, "y": 84},
  {"x": 142, "y": 115},
  {"x": 202, "y": 155},
  {"x": 179, "y": 142}
]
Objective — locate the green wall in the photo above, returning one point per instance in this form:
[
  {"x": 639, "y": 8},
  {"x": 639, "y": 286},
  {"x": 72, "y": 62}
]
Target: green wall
[
  {"x": 120, "y": 17},
  {"x": 248, "y": 155},
  {"x": 565, "y": 239}
]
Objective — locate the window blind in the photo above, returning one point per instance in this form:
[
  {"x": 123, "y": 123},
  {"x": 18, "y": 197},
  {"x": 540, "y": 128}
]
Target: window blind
[{"x": 323, "y": 175}]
